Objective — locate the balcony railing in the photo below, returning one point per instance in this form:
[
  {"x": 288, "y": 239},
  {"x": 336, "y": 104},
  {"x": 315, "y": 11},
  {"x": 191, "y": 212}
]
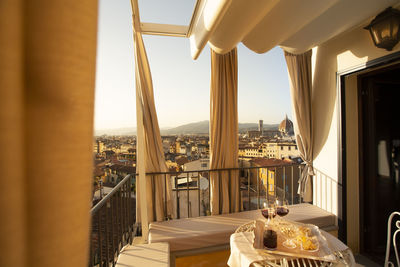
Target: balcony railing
[
  {"x": 191, "y": 194},
  {"x": 113, "y": 218},
  {"x": 113, "y": 224},
  {"x": 327, "y": 191}
]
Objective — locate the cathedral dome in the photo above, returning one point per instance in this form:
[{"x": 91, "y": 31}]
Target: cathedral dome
[{"x": 286, "y": 127}]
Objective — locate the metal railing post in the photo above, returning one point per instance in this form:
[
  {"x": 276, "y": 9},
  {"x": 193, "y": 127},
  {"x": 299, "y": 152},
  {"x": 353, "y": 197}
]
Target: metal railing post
[
  {"x": 198, "y": 191},
  {"x": 248, "y": 189},
  {"x": 291, "y": 180},
  {"x": 300, "y": 175},
  {"x": 187, "y": 195},
  {"x": 240, "y": 190},
  {"x": 178, "y": 215},
  {"x": 165, "y": 197},
  {"x": 275, "y": 173},
  {"x": 92, "y": 253},
  {"x": 331, "y": 195},
  {"x": 284, "y": 182},
  {"x": 267, "y": 191},
  {"x": 258, "y": 187},
  {"x": 229, "y": 191},
  {"x": 106, "y": 233},
  {"x": 320, "y": 192},
  {"x": 209, "y": 191},
  {"x": 100, "y": 242},
  {"x": 112, "y": 225}
]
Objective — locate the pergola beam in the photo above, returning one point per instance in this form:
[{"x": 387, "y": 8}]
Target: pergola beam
[{"x": 164, "y": 29}]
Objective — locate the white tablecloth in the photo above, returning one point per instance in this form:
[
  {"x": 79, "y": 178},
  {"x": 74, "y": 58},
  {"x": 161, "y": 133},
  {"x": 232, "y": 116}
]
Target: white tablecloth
[{"x": 243, "y": 254}]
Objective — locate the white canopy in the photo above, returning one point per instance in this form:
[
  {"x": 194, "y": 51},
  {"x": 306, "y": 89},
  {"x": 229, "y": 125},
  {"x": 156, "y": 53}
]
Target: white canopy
[
  {"x": 296, "y": 25},
  {"x": 261, "y": 25}
]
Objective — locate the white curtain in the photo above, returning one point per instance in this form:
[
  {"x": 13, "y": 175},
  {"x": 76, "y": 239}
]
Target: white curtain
[
  {"x": 47, "y": 76},
  {"x": 158, "y": 204},
  {"x": 299, "y": 69},
  {"x": 224, "y": 133}
]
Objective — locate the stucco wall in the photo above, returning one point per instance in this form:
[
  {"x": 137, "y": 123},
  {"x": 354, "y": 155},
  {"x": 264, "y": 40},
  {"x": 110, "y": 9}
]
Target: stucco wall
[
  {"x": 347, "y": 51},
  {"x": 343, "y": 52}
]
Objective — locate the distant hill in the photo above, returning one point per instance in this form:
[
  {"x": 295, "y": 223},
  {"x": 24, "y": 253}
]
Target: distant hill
[
  {"x": 116, "y": 131},
  {"x": 201, "y": 127}
]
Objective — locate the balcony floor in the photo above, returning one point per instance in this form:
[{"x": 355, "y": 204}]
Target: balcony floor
[
  {"x": 217, "y": 259},
  {"x": 364, "y": 261}
]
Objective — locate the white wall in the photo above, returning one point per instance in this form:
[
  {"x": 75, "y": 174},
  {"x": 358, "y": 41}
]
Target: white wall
[
  {"x": 197, "y": 165},
  {"x": 349, "y": 50},
  {"x": 346, "y": 51}
]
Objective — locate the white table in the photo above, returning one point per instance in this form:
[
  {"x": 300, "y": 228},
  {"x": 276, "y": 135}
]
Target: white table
[{"x": 243, "y": 254}]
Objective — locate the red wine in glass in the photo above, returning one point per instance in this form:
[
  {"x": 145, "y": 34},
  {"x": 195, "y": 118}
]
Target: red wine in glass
[
  {"x": 265, "y": 213},
  {"x": 282, "y": 211}
]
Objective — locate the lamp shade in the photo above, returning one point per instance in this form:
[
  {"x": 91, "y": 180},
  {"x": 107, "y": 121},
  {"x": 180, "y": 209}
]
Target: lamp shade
[{"x": 384, "y": 29}]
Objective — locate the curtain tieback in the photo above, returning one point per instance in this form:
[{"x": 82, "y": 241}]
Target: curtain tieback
[{"x": 310, "y": 168}]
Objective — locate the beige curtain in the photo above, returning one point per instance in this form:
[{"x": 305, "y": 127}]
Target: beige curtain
[
  {"x": 47, "y": 74},
  {"x": 299, "y": 68},
  {"x": 224, "y": 133},
  {"x": 157, "y": 186}
]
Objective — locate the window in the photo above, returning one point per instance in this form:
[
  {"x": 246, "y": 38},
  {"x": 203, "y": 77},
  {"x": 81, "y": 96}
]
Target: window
[
  {"x": 281, "y": 147},
  {"x": 170, "y": 15},
  {"x": 204, "y": 165},
  {"x": 290, "y": 148}
]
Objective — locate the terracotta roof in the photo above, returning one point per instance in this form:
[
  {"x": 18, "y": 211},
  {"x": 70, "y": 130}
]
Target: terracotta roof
[
  {"x": 173, "y": 169},
  {"x": 99, "y": 162},
  {"x": 123, "y": 168},
  {"x": 98, "y": 172},
  {"x": 181, "y": 160},
  {"x": 270, "y": 162}
]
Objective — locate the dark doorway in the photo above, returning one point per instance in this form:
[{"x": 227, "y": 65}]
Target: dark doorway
[{"x": 379, "y": 96}]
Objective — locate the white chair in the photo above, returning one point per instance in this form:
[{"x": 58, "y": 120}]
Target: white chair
[{"x": 389, "y": 233}]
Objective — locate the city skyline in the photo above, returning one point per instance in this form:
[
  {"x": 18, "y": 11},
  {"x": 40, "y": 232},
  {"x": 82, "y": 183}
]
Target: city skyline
[
  {"x": 181, "y": 85},
  {"x": 195, "y": 128}
]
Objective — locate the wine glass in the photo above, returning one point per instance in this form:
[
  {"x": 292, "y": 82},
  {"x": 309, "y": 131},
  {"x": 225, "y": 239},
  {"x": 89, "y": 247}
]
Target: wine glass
[
  {"x": 282, "y": 206},
  {"x": 269, "y": 209}
]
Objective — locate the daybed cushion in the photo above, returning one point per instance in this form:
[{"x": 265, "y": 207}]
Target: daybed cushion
[
  {"x": 206, "y": 231},
  {"x": 154, "y": 255}
]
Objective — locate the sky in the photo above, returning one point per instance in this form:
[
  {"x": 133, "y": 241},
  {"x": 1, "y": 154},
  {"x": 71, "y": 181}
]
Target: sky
[{"x": 181, "y": 85}]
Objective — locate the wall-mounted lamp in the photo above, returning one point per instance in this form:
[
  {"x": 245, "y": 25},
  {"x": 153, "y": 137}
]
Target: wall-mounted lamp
[{"x": 384, "y": 29}]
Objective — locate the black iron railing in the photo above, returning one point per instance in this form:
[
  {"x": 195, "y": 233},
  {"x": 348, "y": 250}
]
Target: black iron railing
[
  {"x": 191, "y": 194},
  {"x": 113, "y": 224},
  {"x": 113, "y": 217}
]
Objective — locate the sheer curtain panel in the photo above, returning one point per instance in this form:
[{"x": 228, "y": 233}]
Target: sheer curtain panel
[
  {"x": 299, "y": 69},
  {"x": 47, "y": 77},
  {"x": 224, "y": 133},
  {"x": 158, "y": 204}
]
